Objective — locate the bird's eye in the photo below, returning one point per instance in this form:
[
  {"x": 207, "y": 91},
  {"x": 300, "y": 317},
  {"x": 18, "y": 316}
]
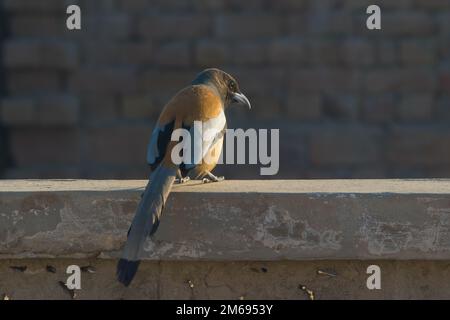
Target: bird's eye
[{"x": 232, "y": 85}]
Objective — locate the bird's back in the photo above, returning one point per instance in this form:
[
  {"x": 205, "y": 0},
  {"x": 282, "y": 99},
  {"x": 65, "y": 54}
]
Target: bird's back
[{"x": 192, "y": 103}]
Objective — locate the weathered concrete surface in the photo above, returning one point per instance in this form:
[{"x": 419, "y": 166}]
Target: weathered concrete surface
[
  {"x": 228, "y": 280},
  {"x": 232, "y": 220}
]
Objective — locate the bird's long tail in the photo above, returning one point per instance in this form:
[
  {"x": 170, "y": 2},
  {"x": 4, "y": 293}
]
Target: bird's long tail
[{"x": 145, "y": 221}]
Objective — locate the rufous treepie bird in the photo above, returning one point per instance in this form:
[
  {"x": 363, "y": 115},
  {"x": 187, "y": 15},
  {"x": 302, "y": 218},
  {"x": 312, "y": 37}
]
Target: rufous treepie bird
[{"x": 205, "y": 100}]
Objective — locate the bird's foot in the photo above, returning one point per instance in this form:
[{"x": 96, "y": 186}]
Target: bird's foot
[
  {"x": 212, "y": 178},
  {"x": 182, "y": 180}
]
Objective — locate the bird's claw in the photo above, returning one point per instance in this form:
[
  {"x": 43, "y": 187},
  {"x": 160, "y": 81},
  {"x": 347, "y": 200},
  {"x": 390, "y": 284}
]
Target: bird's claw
[
  {"x": 182, "y": 180},
  {"x": 213, "y": 179}
]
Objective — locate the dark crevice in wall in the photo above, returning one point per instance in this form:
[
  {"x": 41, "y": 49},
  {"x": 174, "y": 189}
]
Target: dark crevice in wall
[{"x": 5, "y": 154}]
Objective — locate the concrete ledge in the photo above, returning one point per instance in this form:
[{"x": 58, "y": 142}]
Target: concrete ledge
[{"x": 231, "y": 220}]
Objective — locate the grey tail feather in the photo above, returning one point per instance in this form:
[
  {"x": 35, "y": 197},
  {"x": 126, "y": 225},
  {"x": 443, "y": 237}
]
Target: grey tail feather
[
  {"x": 145, "y": 222},
  {"x": 126, "y": 270}
]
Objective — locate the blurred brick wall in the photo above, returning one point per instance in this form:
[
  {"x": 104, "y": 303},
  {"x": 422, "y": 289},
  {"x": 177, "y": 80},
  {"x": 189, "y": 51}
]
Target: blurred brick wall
[{"x": 349, "y": 102}]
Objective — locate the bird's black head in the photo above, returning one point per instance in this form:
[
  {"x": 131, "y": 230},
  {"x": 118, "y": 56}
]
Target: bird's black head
[{"x": 225, "y": 84}]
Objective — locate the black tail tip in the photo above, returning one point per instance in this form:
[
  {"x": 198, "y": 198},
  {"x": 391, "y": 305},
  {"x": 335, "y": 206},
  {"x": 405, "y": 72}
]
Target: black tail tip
[{"x": 126, "y": 269}]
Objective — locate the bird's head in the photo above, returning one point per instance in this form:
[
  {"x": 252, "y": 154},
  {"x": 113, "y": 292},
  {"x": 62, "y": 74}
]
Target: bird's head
[{"x": 225, "y": 84}]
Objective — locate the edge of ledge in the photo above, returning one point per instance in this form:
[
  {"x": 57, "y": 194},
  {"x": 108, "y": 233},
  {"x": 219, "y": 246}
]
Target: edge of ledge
[{"x": 363, "y": 186}]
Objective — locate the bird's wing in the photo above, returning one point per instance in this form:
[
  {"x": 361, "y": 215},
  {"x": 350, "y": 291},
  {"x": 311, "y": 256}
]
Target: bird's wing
[{"x": 157, "y": 146}]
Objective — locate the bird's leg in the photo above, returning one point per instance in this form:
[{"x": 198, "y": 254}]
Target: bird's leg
[
  {"x": 183, "y": 180},
  {"x": 180, "y": 178},
  {"x": 212, "y": 178}
]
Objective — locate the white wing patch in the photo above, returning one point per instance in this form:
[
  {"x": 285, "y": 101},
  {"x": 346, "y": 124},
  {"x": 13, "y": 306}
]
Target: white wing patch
[
  {"x": 204, "y": 136},
  {"x": 152, "y": 148},
  {"x": 211, "y": 129}
]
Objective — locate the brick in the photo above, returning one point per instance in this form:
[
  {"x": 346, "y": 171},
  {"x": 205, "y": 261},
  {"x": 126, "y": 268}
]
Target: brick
[
  {"x": 40, "y": 54},
  {"x": 47, "y": 110},
  {"x": 327, "y": 173},
  {"x": 297, "y": 24},
  {"x": 329, "y": 23},
  {"x": 357, "y": 4},
  {"x": 401, "y": 80},
  {"x": 176, "y": 54},
  {"x": 382, "y": 80},
  {"x": 140, "y": 107},
  {"x": 41, "y": 6},
  {"x": 418, "y": 145},
  {"x": 98, "y": 109},
  {"x": 133, "y": 5},
  {"x": 119, "y": 172},
  {"x": 369, "y": 172},
  {"x": 166, "y": 83},
  {"x": 357, "y": 52},
  {"x": 294, "y": 156},
  {"x": 434, "y": 5},
  {"x": 323, "y": 52},
  {"x": 444, "y": 78},
  {"x": 117, "y": 145},
  {"x": 379, "y": 108},
  {"x": 384, "y": 4},
  {"x": 329, "y": 80},
  {"x": 443, "y": 47},
  {"x": 387, "y": 53},
  {"x": 103, "y": 6},
  {"x": 261, "y": 79},
  {"x": 174, "y": 26},
  {"x": 444, "y": 24},
  {"x": 249, "y": 5},
  {"x": 247, "y": 26},
  {"x": 436, "y": 172},
  {"x": 171, "y": 5},
  {"x": 289, "y": 50},
  {"x": 17, "y": 111},
  {"x": 307, "y": 107},
  {"x": 416, "y": 107},
  {"x": 288, "y": 5},
  {"x": 324, "y": 6},
  {"x": 415, "y": 52},
  {"x": 208, "y": 5},
  {"x": 33, "y": 82},
  {"x": 249, "y": 53},
  {"x": 351, "y": 52},
  {"x": 340, "y": 106},
  {"x": 407, "y": 24},
  {"x": 57, "y": 110},
  {"x": 118, "y": 53},
  {"x": 212, "y": 53},
  {"x": 36, "y": 26},
  {"x": 111, "y": 80},
  {"x": 263, "y": 107},
  {"x": 442, "y": 109},
  {"x": 111, "y": 26},
  {"x": 46, "y": 146},
  {"x": 345, "y": 146},
  {"x": 42, "y": 171}
]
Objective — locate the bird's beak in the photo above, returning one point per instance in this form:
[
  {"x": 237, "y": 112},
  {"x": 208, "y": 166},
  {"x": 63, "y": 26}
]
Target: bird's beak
[{"x": 241, "y": 99}]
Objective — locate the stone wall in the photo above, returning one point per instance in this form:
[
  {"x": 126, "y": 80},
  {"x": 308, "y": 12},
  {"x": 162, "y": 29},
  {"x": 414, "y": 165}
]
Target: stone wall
[
  {"x": 243, "y": 280},
  {"x": 230, "y": 240},
  {"x": 349, "y": 102}
]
